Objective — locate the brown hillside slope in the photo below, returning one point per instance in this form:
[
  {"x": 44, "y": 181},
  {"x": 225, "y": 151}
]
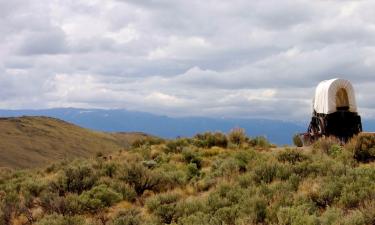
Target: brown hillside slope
[{"x": 36, "y": 141}]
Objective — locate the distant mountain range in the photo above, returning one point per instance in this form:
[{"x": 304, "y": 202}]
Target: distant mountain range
[{"x": 114, "y": 120}]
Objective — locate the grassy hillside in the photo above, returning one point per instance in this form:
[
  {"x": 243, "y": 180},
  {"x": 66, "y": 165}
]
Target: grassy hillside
[
  {"x": 211, "y": 179},
  {"x": 35, "y": 141}
]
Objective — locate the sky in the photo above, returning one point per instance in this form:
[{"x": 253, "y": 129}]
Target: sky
[{"x": 210, "y": 58}]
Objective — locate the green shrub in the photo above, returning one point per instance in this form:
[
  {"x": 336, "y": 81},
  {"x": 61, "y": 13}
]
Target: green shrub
[
  {"x": 346, "y": 157},
  {"x": 209, "y": 139},
  {"x": 354, "y": 218},
  {"x": 171, "y": 176},
  {"x": 356, "y": 192},
  {"x": 98, "y": 198},
  {"x": 255, "y": 209},
  {"x": 205, "y": 184},
  {"x": 245, "y": 180},
  {"x": 291, "y": 156},
  {"x": 225, "y": 168},
  {"x": 364, "y": 150},
  {"x": 237, "y": 136},
  {"x": 147, "y": 141},
  {"x": 110, "y": 169},
  {"x": 283, "y": 172},
  {"x": 218, "y": 139},
  {"x": 331, "y": 216},
  {"x": 4, "y": 218},
  {"x": 324, "y": 144},
  {"x": 299, "y": 215},
  {"x": 78, "y": 178},
  {"x": 192, "y": 171},
  {"x": 190, "y": 206},
  {"x": 139, "y": 143},
  {"x": 9, "y": 205},
  {"x": 163, "y": 158},
  {"x": 34, "y": 187},
  {"x": 198, "y": 218},
  {"x": 128, "y": 217},
  {"x": 335, "y": 150},
  {"x": 297, "y": 141},
  {"x": 128, "y": 193},
  {"x": 329, "y": 192},
  {"x": 176, "y": 146},
  {"x": 52, "y": 202},
  {"x": 226, "y": 215},
  {"x": 66, "y": 205},
  {"x": 56, "y": 219},
  {"x": 164, "y": 206},
  {"x": 140, "y": 177},
  {"x": 242, "y": 158},
  {"x": 265, "y": 172},
  {"x": 260, "y": 142},
  {"x": 294, "y": 181},
  {"x": 306, "y": 168},
  {"x": 224, "y": 196},
  {"x": 72, "y": 205},
  {"x": 368, "y": 210},
  {"x": 191, "y": 156}
]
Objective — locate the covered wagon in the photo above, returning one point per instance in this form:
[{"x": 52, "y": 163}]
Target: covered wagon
[{"x": 334, "y": 111}]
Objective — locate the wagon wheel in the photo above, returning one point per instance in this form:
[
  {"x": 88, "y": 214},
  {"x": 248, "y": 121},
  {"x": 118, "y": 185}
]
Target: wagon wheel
[
  {"x": 311, "y": 130},
  {"x": 321, "y": 126},
  {"x": 359, "y": 125}
]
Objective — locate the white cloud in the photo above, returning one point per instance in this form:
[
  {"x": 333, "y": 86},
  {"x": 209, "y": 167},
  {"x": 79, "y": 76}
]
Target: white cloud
[
  {"x": 203, "y": 58},
  {"x": 124, "y": 35},
  {"x": 180, "y": 48}
]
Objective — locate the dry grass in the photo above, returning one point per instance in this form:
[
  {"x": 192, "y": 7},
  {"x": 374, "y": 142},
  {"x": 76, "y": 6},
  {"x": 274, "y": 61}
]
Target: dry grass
[{"x": 27, "y": 142}]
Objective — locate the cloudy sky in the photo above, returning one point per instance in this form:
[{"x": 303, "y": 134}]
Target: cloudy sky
[{"x": 214, "y": 58}]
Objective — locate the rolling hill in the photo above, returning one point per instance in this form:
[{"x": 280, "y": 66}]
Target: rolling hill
[{"x": 35, "y": 141}]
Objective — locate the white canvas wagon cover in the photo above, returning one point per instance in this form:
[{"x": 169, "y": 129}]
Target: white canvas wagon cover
[{"x": 330, "y": 94}]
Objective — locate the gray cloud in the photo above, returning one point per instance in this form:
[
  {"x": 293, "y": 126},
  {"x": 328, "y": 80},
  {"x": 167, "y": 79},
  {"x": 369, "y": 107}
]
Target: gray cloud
[
  {"x": 50, "y": 42},
  {"x": 203, "y": 58}
]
